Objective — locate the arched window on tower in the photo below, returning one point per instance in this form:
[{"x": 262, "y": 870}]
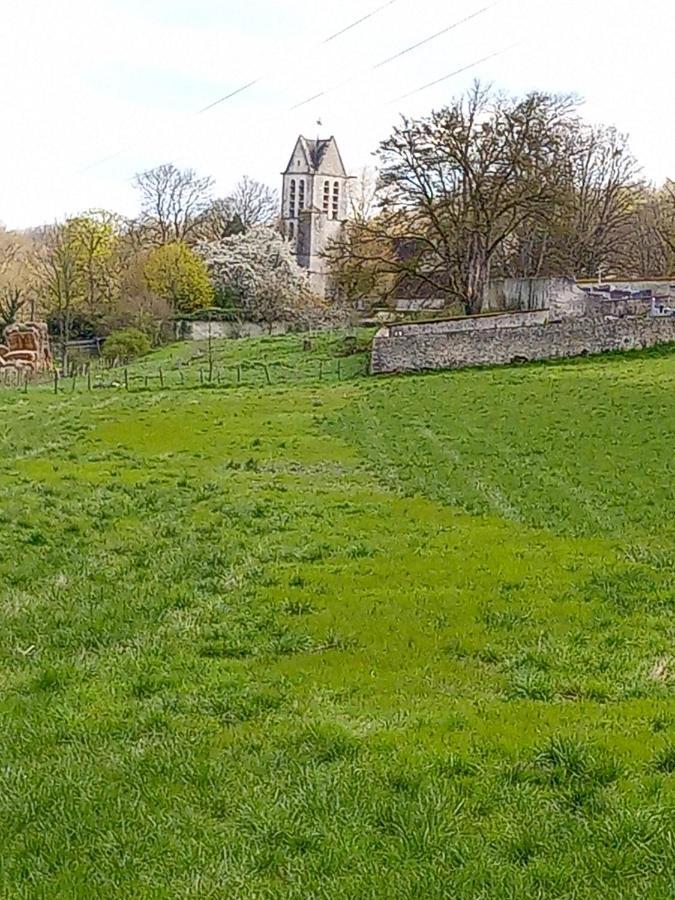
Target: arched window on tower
[
  {"x": 326, "y": 196},
  {"x": 291, "y": 231},
  {"x": 301, "y": 193},
  {"x": 336, "y": 200},
  {"x": 292, "y": 199}
]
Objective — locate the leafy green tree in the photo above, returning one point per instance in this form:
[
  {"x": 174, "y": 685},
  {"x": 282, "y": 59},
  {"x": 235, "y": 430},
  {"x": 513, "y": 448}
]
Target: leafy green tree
[
  {"x": 62, "y": 282},
  {"x": 78, "y": 267},
  {"x": 95, "y": 239},
  {"x": 176, "y": 274},
  {"x": 126, "y": 345},
  {"x": 18, "y": 283}
]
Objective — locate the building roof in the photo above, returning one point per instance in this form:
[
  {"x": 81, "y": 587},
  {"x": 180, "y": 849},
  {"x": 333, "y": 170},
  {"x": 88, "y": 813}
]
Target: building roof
[
  {"x": 317, "y": 150},
  {"x": 320, "y": 156}
]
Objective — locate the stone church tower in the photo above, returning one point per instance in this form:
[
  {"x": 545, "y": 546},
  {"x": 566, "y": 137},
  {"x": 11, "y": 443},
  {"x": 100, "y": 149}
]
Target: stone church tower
[{"x": 314, "y": 205}]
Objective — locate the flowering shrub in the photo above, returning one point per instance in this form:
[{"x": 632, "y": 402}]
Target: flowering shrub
[{"x": 259, "y": 271}]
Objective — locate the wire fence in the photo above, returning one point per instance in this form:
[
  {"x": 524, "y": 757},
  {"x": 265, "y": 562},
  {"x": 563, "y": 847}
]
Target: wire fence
[{"x": 259, "y": 373}]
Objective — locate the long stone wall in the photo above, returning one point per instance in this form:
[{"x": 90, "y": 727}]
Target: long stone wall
[
  {"x": 443, "y": 345},
  {"x": 201, "y": 331},
  {"x": 471, "y": 323}
]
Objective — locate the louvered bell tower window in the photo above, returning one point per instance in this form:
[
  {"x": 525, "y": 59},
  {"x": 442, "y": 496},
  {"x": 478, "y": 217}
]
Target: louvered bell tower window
[{"x": 292, "y": 199}]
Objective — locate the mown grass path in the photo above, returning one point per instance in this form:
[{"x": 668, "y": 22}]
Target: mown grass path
[{"x": 400, "y": 638}]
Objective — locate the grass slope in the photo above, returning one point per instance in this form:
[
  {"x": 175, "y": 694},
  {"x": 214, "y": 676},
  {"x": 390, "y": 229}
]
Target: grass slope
[
  {"x": 399, "y": 638},
  {"x": 283, "y": 361}
]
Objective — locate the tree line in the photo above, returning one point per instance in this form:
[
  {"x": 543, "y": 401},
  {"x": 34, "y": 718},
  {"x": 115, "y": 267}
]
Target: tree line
[
  {"x": 99, "y": 273},
  {"x": 494, "y": 186},
  {"x": 489, "y": 186}
]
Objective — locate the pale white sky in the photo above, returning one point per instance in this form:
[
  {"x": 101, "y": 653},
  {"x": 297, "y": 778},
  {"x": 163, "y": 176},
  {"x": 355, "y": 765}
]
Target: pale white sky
[{"x": 84, "y": 80}]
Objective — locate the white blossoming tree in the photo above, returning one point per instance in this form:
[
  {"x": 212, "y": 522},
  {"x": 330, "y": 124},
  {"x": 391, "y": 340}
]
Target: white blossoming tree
[{"x": 258, "y": 271}]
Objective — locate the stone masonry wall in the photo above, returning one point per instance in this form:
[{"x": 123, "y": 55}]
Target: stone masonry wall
[
  {"x": 411, "y": 349},
  {"x": 471, "y": 323}
]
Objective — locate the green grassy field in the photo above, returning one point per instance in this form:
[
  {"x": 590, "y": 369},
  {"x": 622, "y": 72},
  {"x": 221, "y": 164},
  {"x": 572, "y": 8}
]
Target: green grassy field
[
  {"x": 268, "y": 361},
  {"x": 397, "y": 638}
]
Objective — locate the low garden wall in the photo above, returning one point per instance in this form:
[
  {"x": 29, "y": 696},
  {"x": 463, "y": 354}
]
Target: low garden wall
[
  {"x": 202, "y": 330},
  {"x": 501, "y": 340}
]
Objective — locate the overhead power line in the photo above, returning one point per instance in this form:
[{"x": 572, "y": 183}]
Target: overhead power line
[
  {"x": 466, "y": 68},
  {"x": 328, "y": 40},
  {"x": 428, "y": 40},
  {"x": 398, "y": 55},
  {"x": 249, "y": 84},
  {"x": 359, "y": 21},
  {"x": 239, "y": 90}
]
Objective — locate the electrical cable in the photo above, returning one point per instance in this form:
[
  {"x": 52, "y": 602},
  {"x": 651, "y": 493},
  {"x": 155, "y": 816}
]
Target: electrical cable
[
  {"x": 328, "y": 40},
  {"x": 245, "y": 87},
  {"x": 398, "y": 55},
  {"x": 474, "y": 15},
  {"x": 466, "y": 68},
  {"x": 359, "y": 21}
]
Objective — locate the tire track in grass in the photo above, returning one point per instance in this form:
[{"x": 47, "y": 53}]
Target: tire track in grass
[
  {"x": 558, "y": 468},
  {"x": 496, "y": 499},
  {"x": 551, "y": 482},
  {"x": 556, "y": 482},
  {"x": 374, "y": 431},
  {"x": 595, "y": 511}
]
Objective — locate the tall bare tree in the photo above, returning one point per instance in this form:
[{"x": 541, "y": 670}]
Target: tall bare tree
[
  {"x": 365, "y": 267},
  {"x": 590, "y": 232},
  {"x": 605, "y": 187},
  {"x": 172, "y": 201},
  {"x": 459, "y": 183},
  {"x": 664, "y": 225},
  {"x": 363, "y": 195},
  {"x": 253, "y": 203},
  {"x": 218, "y": 221}
]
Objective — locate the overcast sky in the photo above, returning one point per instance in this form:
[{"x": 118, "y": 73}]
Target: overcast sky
[{"x": 95, "y": 90}]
